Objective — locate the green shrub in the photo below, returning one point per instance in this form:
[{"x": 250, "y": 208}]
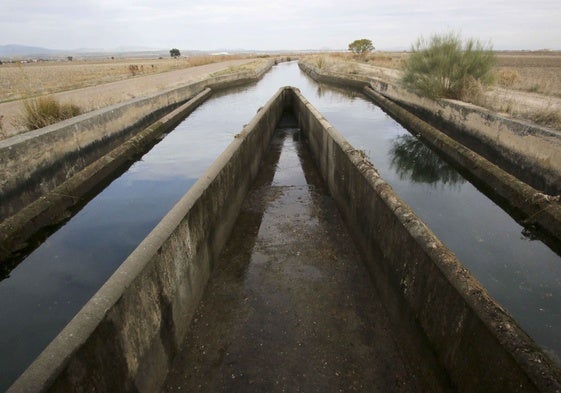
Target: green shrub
[
  {"x": 43, "y": 111},
  {"x": 444, "y": 67}
]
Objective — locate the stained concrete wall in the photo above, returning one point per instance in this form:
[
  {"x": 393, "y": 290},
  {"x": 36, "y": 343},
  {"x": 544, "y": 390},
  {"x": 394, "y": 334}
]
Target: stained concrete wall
[
  {"x": 533, "y": 208},
  {"x": 57, "y": 204},
  {"x": 529, "y": 152},
  {"x": 479, "y": 344},
  {"x": 126, "y": 336},
  {"x": 36, "y": 162}
]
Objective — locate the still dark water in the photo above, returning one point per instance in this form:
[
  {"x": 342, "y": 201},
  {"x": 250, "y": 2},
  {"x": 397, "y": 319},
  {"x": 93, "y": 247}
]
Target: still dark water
[{"x": 46, "y": 290}]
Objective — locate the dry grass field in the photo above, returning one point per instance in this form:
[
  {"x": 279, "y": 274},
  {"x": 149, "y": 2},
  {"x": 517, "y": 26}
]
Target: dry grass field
[
  {"x": 527, "y": 84},
  {"x": 536, "y": 72},
  {"x": 27, "y": 80}
]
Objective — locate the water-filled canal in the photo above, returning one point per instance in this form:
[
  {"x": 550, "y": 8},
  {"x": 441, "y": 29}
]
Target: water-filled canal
[{"x": 47, "y": 289}]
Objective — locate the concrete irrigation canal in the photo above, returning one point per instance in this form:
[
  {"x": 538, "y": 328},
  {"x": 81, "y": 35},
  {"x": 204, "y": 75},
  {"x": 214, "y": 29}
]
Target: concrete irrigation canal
[{"x": 288, "y": 263}]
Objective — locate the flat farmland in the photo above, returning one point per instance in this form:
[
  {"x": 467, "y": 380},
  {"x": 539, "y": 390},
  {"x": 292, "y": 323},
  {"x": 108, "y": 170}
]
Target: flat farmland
[{"x": 25, "y": 80}]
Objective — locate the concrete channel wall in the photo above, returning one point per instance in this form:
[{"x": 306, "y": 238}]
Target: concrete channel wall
[
  {"x": 33, "y": 163},
  {"x": 481, "y": 347},
  {"x": 532, "y": 208},
  {"x": 529, "y": 152},
  {"x": 126, "y": 336},
  {"x": 45, "y": 173}
]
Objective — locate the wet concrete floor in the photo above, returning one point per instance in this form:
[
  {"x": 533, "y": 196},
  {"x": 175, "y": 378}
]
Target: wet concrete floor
[{"x": 290, "y": 307}]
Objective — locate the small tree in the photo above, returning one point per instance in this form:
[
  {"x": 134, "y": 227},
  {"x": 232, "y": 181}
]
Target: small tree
[
  {"x": 361, "y": 47},
  {"x": 446, "y": 67},
  {"x": 174, "y": 53}
]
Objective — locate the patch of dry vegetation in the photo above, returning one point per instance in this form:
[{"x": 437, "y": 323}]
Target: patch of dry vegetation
[
  {"x": 43, "y": 111},
  {"x": 536, "y": 72},
  {"x": 247, "y": 67},
  {"x": 527, "y": 84},
  {"x": 374, "y": 65},
  {"x": 18, "y": 81}
]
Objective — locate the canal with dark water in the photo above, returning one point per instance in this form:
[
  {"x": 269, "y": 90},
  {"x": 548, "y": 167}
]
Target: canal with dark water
[{"x": 42, "y": 294}]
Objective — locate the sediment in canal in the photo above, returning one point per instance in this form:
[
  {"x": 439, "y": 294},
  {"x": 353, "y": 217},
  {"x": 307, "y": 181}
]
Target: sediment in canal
[{"x": 127, "y": 337}]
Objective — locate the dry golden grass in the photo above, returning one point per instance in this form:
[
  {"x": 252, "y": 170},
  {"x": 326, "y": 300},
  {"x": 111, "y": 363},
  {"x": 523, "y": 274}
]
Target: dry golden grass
[
  {"x": 374, "y": 65},
  {"x": 536, "y": 72},
  {"x": 517, "y": 75},
  {"x": 247, "y": 67},
  {"x": 19, "y": 81},
  {"x": 379, "y": 59}
]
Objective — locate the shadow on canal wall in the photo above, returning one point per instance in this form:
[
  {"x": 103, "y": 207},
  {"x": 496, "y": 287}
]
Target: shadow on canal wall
[
  {"x": 127, "y": 335},
  {"x": 47, "y": 171}
]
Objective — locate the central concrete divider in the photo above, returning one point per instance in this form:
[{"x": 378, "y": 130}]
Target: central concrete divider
[{"x": 127, "y": 335}]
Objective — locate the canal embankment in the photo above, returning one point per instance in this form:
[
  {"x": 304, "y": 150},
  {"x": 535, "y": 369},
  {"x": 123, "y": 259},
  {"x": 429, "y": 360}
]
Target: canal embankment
[
  {"x": 533, "y": 207},
  {"x": 47, "y": 171},
  {"x": 528, "y": 151},
  {"x": 126, "y": 337}
]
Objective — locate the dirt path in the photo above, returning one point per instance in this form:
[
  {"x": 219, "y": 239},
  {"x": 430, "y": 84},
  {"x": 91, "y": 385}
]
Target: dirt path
[{"x": 95, "y": 97}]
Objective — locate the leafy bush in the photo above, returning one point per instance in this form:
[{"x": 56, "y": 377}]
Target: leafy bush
[
  {"x": 43, "y": 111},
  {"x": 444, "y": 67},
  {"x": 361, "y": 47}
]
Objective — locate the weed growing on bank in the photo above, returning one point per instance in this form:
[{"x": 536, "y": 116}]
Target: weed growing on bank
[
  {"x": 444, "y": 66},
  {"x": 43, "y": 111},
  {"x": 547, "y": 117}
]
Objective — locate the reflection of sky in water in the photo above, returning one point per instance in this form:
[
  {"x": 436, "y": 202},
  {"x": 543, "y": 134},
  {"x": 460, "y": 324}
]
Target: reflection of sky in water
[{"x": 53, "y": 283}]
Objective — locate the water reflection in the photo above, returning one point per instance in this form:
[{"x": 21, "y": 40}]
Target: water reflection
[{"x": 414, "y": 161}]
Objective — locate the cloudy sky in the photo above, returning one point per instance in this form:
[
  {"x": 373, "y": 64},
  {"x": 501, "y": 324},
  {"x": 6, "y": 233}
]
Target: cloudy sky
[{"x": 274, "y": 24}]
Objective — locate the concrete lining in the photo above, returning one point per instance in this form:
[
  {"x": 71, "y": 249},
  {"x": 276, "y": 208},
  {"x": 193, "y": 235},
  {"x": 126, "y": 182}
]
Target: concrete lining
[
  {"x": 33, "y": 163},
  {"x": 40, "y": 185},
  {"x": 126, "y": 336},
  {"x": 478, "y": 343},
  {"x": 532, "y": 208},
  {"x": 56, "y": 204},
  {"x": 527, "y": 151},
  {"x": 539, "y": 210}
]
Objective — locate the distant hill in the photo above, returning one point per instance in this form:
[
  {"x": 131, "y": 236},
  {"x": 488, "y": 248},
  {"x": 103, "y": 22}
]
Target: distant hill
[{"x": 22, "y": 50}]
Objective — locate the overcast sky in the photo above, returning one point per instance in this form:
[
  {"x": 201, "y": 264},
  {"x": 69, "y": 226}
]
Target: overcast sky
[{"x": 272, "y": 24}]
